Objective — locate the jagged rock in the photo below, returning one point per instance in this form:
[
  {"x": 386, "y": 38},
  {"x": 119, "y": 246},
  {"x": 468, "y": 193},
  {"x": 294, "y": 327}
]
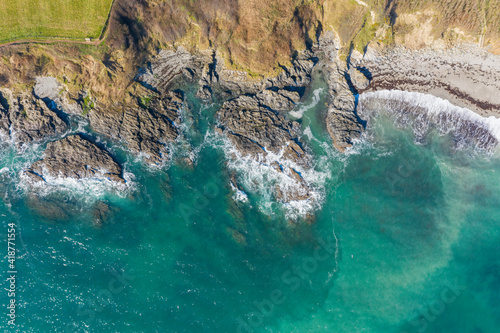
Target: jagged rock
[
  {"x": 343, "y": 127},
  {"x": 255, "y": 129},
  {"x": 254, "y": 124},
  {"x": 294, "y": 96},
  {"x": 209, "y": 77},
  {"x": 327, "y": 47},
  {"x": 342, "y": 122},
  {"x": 204, "y": 93},
  {"x": 276, "y": 100},
  {"x": 355, "y": 58},
  {"x": 299, "y": 191},
  {"x": 208, "y": 68},
  {"x": 235, "y": 83},
  {"x": 101, "y": 214},
  {"x": 358, "y": 79},
  {"x": 26, "y": 119},
  {"x": 75, "y": 157},
  {"x": 144, "y": 130},
  {"x": 297, "y": 75}
]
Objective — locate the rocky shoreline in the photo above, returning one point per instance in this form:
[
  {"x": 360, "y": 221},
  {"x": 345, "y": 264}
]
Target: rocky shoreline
[
  {"x": 253, "y": 115},
  {"x": 466, "y": 76}
]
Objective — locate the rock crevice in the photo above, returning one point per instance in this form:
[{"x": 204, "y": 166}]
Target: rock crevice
[{"x": 25, "y": 119}]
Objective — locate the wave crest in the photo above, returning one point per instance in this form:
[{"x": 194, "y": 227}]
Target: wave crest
[{"x": 424, "y": 112}]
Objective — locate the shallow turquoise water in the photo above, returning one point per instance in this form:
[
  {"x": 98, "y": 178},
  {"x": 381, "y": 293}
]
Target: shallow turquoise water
[{"x": 406, "y": 240}]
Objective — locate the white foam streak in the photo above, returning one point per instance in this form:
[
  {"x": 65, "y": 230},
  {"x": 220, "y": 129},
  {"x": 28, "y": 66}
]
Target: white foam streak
[{"x": 303, "y": 108}]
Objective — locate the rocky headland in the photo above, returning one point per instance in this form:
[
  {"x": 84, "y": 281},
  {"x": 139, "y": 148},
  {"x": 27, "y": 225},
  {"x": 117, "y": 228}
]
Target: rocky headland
[{"x": 145, "y": 128}]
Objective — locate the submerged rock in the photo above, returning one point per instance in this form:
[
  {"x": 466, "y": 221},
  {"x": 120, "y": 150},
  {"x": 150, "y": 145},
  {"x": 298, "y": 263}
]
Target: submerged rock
[
  {"x": 77, "y": 158},
  {"x": 25, "y": 119},
  {"x": 101, "y": 214},
  {"x": 52, "y": 209}
]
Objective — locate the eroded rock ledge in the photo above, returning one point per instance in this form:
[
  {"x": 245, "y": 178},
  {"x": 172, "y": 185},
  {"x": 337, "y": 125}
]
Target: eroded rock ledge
[
  {"x": 24, "y": 119},
  {"x": 77, "y": 158},
  {"x": 145, "y": 129},
  {"x": 253, "y": 115},
  {"x": 256, "y": 130},
  {"x": 255, "y": 125},
  {"x": 342, "y": 121}
]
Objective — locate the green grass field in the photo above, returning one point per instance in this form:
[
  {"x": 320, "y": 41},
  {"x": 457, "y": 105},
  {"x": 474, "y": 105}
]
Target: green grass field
[{"x": 41, "y": 19}]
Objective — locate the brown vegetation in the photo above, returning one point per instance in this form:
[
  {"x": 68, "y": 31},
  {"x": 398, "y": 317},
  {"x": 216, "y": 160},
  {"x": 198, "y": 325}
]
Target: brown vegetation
[{"x": 252, "y": 35}]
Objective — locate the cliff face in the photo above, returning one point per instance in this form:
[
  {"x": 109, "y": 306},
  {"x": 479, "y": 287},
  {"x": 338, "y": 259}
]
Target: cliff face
[
  {"x": 257, "y": 56},
  {"x": 256, "y": 36}
]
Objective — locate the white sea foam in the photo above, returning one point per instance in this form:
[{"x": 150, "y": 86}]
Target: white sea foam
[
  {"x": 81, "y": 124},
  {"x": 308, "y": 133},
  {"x": 239, "y": 195},
  {"x": 336, "y": 257},
  {"x": 90, "y": 189},
  {"x": 260, "y": 176},
  {"x": 303, "y": 108},
  {"x": 424, "y": 111}
]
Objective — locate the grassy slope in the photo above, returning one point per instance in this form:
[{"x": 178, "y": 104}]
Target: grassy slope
[{"x": 76, "y": 19}]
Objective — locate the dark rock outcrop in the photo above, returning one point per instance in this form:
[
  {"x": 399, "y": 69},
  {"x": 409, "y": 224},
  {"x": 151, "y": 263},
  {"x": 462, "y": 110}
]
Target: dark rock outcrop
[
  {"x": 75, "y": 157},
  {"x": 164, "y": 68},
  {"x": 233, "y": 83},
  {"x": 256, "y": 128},
  {"x": 25, "y": 119},
  {"x": 211, "y": 74},
  {"x": 342, "y": 121},
  {"x": 145, "y": 129}
]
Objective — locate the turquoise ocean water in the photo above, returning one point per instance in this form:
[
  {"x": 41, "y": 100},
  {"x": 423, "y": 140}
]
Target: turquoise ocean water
[{"x": 405, "y": 239}]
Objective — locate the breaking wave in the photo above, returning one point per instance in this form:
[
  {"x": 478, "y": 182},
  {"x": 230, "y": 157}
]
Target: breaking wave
[
  {"x": 90, "y": 189},
  {"x": 423, "y": 112},
  {"x": 260, "y": 176}
]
